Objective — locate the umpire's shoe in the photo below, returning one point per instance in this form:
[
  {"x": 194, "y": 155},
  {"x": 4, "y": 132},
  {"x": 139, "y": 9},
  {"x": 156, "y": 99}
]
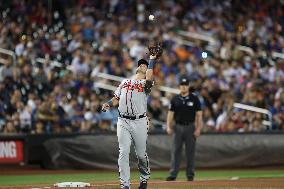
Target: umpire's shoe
[
  {"x": 171, "y": 178},
  {"x": 190, "y": 178},
  {"x": 143, "y": 185}
]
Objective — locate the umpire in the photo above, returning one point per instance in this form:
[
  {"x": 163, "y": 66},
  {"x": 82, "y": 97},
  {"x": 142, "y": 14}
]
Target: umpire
[{"x": 185, "y": 110}]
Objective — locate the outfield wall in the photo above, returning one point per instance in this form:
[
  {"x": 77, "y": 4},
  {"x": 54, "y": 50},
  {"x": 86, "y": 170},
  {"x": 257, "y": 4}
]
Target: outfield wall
[{"x": 101, "y": 150}]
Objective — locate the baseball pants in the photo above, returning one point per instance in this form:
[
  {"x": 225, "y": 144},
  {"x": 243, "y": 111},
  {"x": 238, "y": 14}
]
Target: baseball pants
[
  {"x": 183, "y": 134},
  {"x": 135, "y": 131}
]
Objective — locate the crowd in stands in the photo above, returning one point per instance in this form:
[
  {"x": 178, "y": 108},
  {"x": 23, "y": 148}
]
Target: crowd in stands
[{"x": 76, "y": 40}]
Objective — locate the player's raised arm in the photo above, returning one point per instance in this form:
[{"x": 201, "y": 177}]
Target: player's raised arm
[
  {"x": 149, "y": 72},
  {"x": 155, "y": 52}
]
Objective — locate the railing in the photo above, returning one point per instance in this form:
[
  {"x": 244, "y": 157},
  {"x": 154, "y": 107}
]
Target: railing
[
  {"x": 258, "y": 110},
  {"x": 7, "y": 52},
  {"x": 198, "y": 36},
  {"x": 52, "y": 62},
  {"x": 212, "y": 42}
]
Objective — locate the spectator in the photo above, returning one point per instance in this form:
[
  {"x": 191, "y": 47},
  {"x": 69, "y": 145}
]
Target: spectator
[
  {"x": 10, "y": 128},
  {"x": 48, "y": 116},
  {"x": 156, "y": 113},
  {"x": 25, "y": 117},
  {"x": 277, "y": 111},
  {"x": 39, "y": 128},
  {"x": 7, "y": 70},
  {"x": 78, "y": 65}
]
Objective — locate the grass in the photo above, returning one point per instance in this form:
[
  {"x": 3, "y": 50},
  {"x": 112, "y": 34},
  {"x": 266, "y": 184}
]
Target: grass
[{"x": 6, "y": 180}]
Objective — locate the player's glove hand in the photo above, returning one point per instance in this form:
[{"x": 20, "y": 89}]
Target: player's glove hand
[{"x": 156, "y": 50}]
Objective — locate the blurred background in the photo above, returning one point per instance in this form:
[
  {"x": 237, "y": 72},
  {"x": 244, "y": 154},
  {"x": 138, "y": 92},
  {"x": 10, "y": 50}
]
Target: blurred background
[{"x": 61, "y": 59}]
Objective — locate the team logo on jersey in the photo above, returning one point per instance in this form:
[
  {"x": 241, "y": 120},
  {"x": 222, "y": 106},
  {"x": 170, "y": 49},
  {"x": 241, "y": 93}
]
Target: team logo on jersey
[
  {"x": 189, "y": 103},
  {"x": 131, "y": 87}
]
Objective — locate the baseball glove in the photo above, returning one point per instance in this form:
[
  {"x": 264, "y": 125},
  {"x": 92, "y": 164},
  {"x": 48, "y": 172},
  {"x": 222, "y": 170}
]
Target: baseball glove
[{"x": 156, "y": 50}]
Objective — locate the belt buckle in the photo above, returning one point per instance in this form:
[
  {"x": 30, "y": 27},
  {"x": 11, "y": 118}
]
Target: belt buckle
[
  {"x": 130, "y": 117},
  {"x": 133, "y": 117}
]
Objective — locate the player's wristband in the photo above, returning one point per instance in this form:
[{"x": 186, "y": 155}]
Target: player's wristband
[
  {"x": 110, "y": 103},
  {"x": 151, "y": 63}
]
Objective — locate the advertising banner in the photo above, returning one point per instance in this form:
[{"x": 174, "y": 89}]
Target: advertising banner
[{"x": 11, "y": 151}]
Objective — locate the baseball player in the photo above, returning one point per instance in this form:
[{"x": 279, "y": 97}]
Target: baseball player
[{"x": 132, "y": 126}]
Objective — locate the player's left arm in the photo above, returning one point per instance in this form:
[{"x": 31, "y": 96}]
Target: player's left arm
[
  {"x": 114, "y": 101},
  {"x": 111, "y": 103},
  {"x": 149, "y": 74}
]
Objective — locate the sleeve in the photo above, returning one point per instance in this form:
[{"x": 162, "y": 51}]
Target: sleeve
[
  {"x": 172, "y": 105},
  {"x": 197, "y": 104},
  {"x": 117, "y": 92}
]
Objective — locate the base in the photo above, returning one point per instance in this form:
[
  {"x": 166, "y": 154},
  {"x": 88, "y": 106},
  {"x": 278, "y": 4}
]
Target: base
[{"x": 72, "y": 184}]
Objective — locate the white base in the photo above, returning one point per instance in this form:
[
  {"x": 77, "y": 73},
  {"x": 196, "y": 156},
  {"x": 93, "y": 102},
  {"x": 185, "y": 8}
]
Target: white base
[{"x": 72, "y": 184}]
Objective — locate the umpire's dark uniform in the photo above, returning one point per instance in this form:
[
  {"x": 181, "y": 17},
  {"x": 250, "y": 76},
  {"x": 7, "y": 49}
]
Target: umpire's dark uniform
[{"x": 184, "y": 108}]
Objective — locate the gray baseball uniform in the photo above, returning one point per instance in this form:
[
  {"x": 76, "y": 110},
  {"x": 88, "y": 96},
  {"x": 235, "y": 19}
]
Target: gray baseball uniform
[{"x": 132, "y": 103}]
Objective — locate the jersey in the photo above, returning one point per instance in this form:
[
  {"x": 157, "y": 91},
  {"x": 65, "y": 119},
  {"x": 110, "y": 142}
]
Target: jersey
[
  {"x": 132, "y": 97},
  {"x": 185, "y": 108}
]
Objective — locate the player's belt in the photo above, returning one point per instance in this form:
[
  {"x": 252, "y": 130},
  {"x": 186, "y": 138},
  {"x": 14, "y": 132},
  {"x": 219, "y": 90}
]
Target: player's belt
[{"x": 132, "y": 117}]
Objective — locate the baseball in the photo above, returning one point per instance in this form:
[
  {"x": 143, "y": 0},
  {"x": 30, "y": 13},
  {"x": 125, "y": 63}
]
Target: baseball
[{"x": 151, "y": 17}]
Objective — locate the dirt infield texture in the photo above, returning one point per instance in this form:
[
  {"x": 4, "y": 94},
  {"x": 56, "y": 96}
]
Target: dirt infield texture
[{"x": 242, "y": 183}]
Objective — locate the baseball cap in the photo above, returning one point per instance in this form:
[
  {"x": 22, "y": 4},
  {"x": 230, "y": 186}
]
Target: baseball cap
[
  {"x": 143, "y": 61},
  {"x": 184, "y": 81}
]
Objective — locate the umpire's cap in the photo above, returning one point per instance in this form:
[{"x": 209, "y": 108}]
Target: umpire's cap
[
  {"x": 184, "y": 81},
  {"x": 143, "y": 61}
]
